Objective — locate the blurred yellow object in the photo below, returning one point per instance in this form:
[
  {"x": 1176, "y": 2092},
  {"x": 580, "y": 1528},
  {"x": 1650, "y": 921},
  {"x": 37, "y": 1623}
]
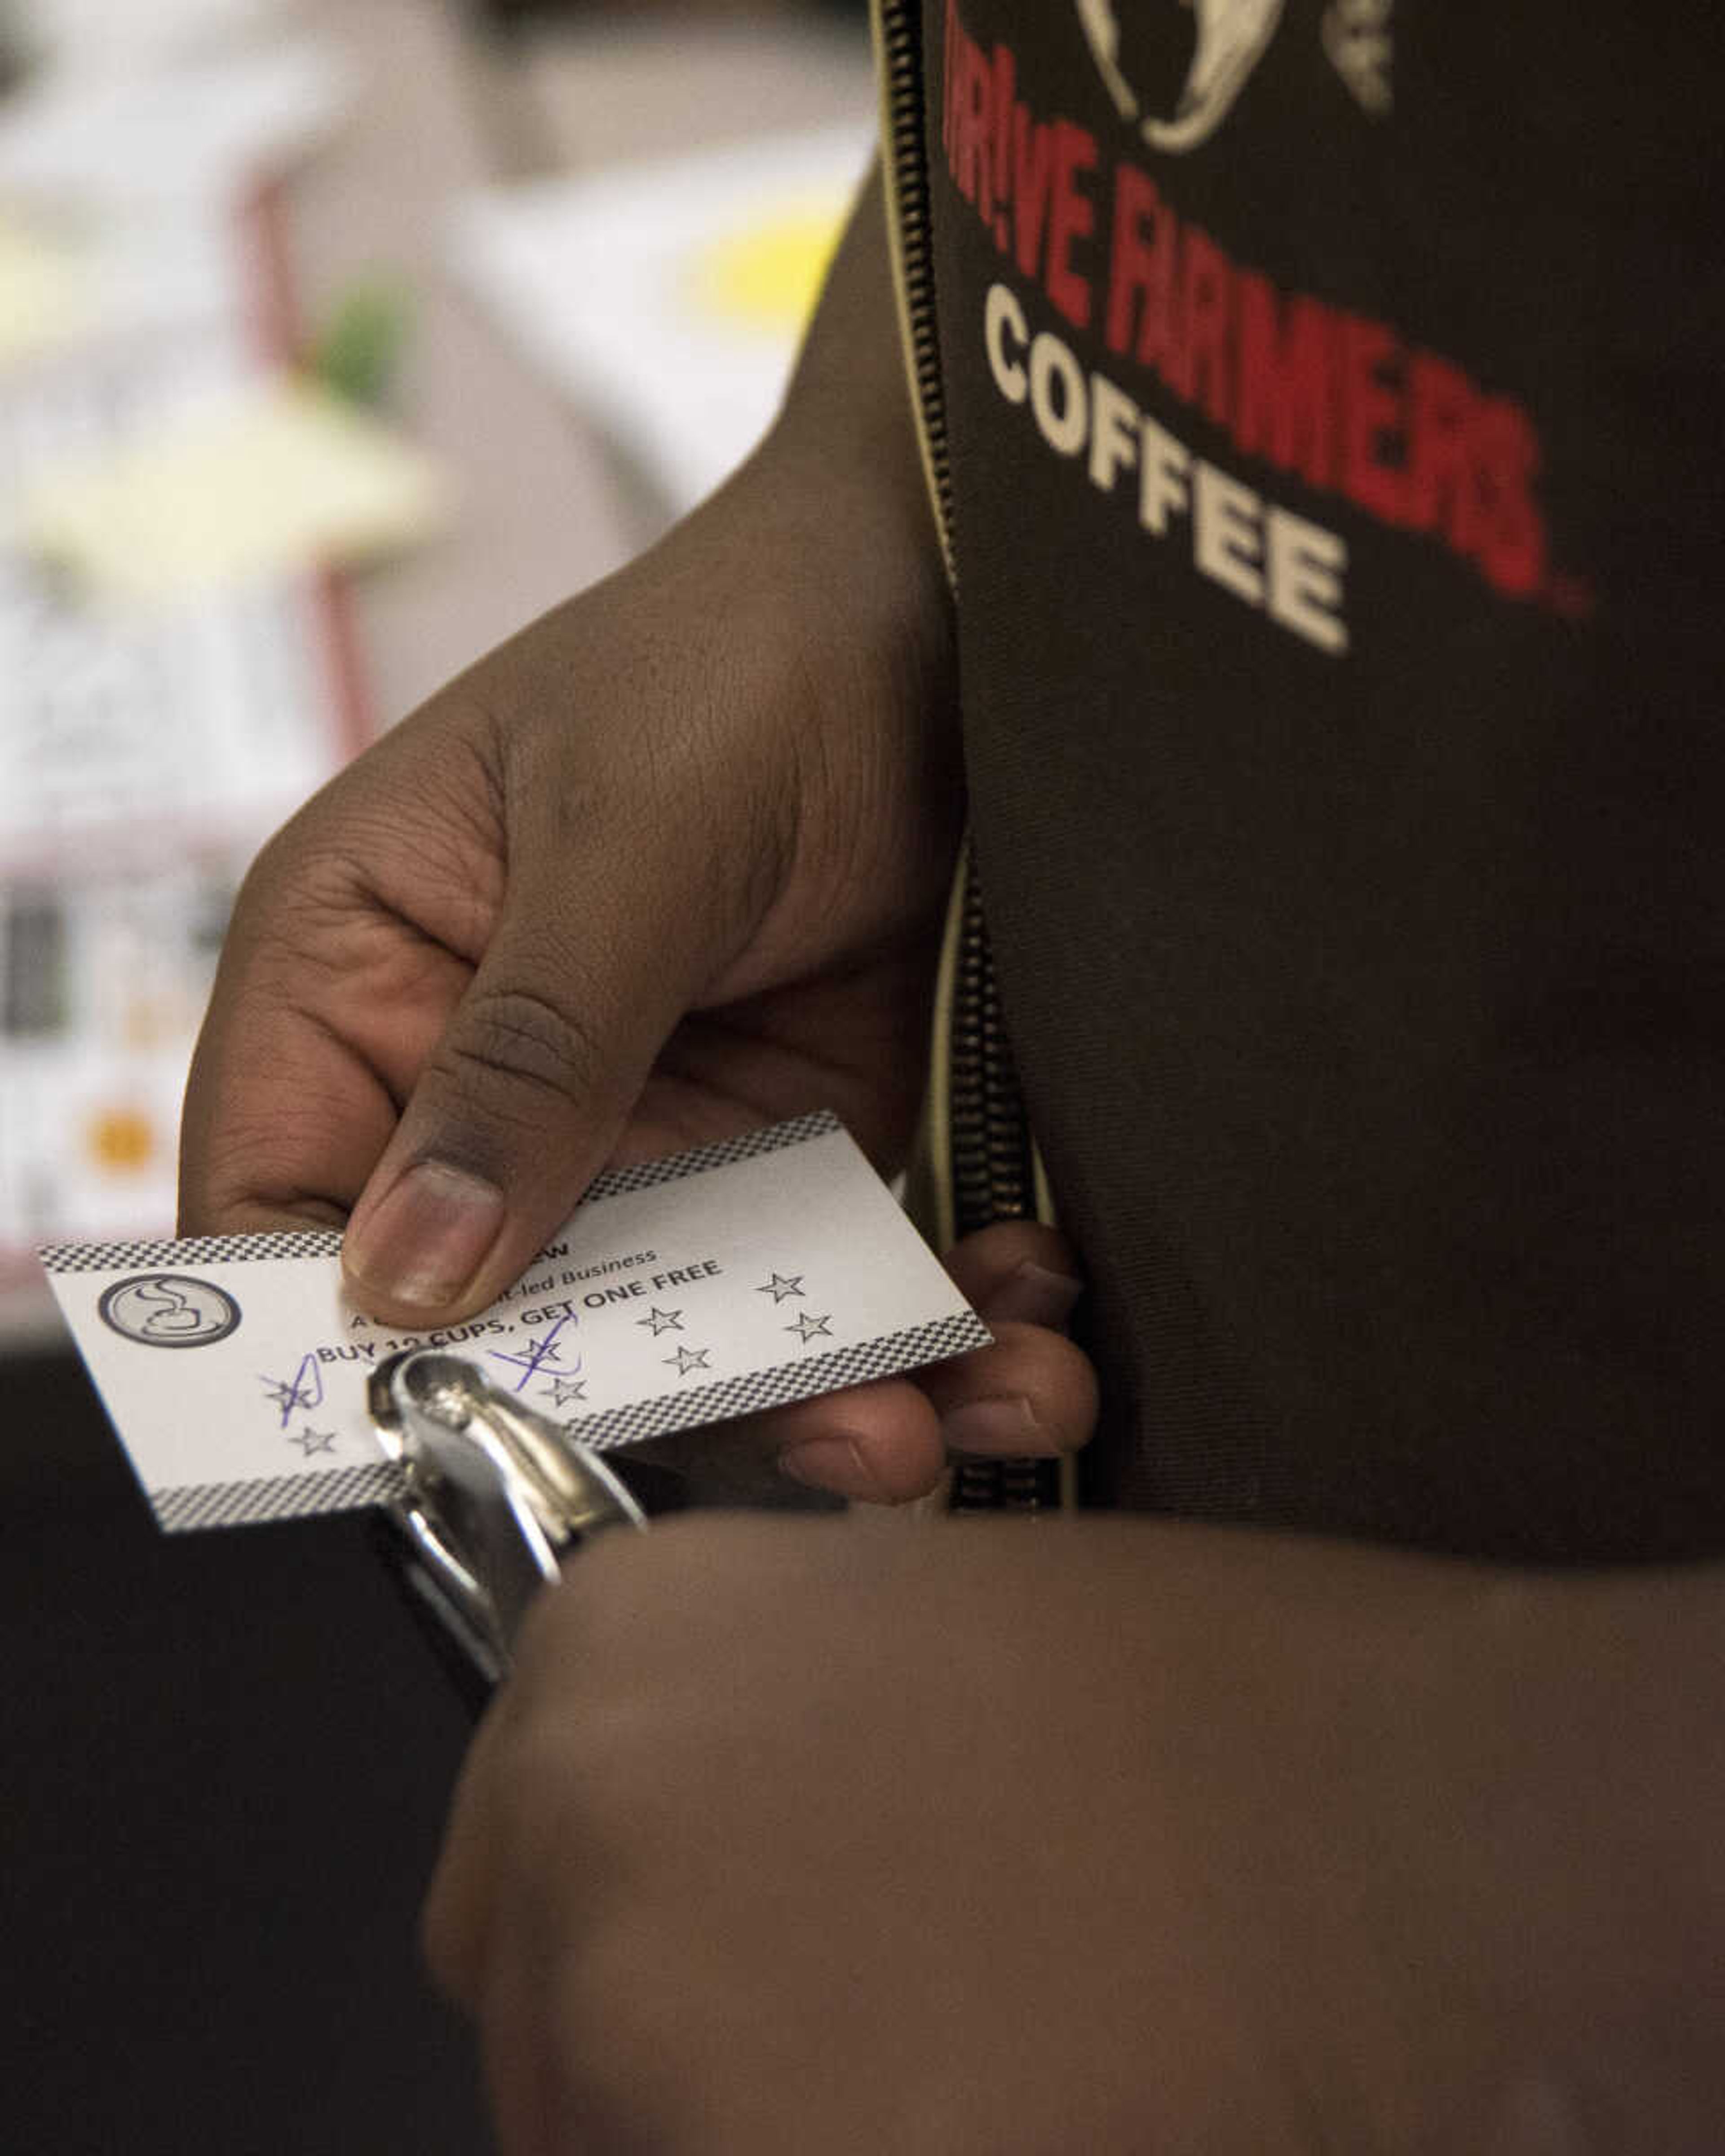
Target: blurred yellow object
[
  {"x": 46, "y": 291},
  {"x": 768, "y": 277},
  {"x": 122, "y": 1141},
  {"x": 283, "y": 478}
]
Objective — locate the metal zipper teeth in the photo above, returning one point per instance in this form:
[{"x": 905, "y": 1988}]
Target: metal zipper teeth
[
  {"x": 902, "y": 71},
  {"x": 994, "y": 1175}
]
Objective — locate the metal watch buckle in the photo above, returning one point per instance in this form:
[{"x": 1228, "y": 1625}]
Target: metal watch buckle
[{"x": 496, "y": 1496}]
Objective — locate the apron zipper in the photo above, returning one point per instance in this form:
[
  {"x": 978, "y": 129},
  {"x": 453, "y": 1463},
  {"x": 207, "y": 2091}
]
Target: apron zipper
[
  {"x": 986, "y": 1168},
  {"x": 898, "y": 72},
  {"x": 994, "y": 1173}
]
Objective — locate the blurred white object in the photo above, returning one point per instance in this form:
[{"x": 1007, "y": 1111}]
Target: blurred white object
[
  {"x": 206, "y": 127},
  {"x": 655, "y": 293},
  {"x": 109, "y": 281},
  {"x": 131, "y": 736},
  {"x": 47, "y": 291},
  {"x": 117, "y": 37},
  {"x": 143, "y": 755},
  {"x": 103, "y": 981}
]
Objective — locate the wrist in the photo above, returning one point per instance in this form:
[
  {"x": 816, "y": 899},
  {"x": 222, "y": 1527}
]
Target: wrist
[
  {"x": 849, "y": 529},
  {"x": 840, "y": 613}
]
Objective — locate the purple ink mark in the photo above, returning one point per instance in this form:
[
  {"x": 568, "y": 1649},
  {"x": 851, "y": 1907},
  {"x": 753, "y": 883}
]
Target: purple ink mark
[
  {"x": 538, "y": 1356},
  {"x": 299, "y": 1393}
]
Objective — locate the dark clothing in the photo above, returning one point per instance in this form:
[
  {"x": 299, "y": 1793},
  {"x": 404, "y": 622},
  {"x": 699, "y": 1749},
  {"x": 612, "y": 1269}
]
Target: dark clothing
[{"x": 1336, "y": 511}]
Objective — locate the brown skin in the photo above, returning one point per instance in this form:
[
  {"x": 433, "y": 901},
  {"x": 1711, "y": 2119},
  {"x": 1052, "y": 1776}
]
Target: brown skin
[
  {"x": 989, "y": 1839},
  {"x": 1094, "y": 1836}
]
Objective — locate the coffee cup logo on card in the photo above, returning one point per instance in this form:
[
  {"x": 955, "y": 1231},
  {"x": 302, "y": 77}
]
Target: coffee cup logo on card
[{"x": 169, "y": 1310}]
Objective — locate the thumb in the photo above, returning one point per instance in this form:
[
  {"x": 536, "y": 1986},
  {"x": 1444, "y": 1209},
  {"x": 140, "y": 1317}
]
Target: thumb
[{"x": 521, "y": 1099}]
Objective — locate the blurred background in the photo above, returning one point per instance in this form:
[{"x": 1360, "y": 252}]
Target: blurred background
[{"x": 338, "y": 339}]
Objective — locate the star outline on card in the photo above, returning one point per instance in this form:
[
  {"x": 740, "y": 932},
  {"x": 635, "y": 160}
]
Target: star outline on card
[
  {"x": 569, "y": 1392},
  {"x": 687, "y": 1359},
  {"x": 311, "y": 1441},
  {"x": 807, "y": 1327},
  {"x": 298, "y": 1395},
  {"x": 662, "y": 1320},
  {"x": 547, "y": 1348},
  {"x": 780, "y": 1285}
]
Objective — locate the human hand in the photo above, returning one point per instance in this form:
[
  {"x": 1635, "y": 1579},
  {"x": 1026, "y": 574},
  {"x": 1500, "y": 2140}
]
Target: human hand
[
  {"x": 668, "y": 867},
  {"x": 1031, "y": 1394},
  {"x": 1075, "y": 1835}
]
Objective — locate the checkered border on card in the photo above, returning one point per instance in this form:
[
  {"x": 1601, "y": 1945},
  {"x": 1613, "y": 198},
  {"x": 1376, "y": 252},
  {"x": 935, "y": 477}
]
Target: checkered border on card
[
  {"x": 615, "y": 1181},
  {"x": 196, "y": 1504},
  {"x": 189, "y": 1251},
  {"x": 884, "y": 1356},
  {"x": 326, "y": 1242}
]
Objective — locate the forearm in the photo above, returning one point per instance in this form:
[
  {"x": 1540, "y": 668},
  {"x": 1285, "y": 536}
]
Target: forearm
[
  {"x": 824, "y": 551},
  {"x": 1608, "y": 1694},
  {"x": 840, "y": 472},
  {"x": 1493, "y": 1796},
  {"x": 848, "y": 405}
]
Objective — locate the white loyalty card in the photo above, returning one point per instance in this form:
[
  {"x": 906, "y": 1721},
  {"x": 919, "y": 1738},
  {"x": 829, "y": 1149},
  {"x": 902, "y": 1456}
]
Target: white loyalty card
[{"x": 761, "y": 1269}]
